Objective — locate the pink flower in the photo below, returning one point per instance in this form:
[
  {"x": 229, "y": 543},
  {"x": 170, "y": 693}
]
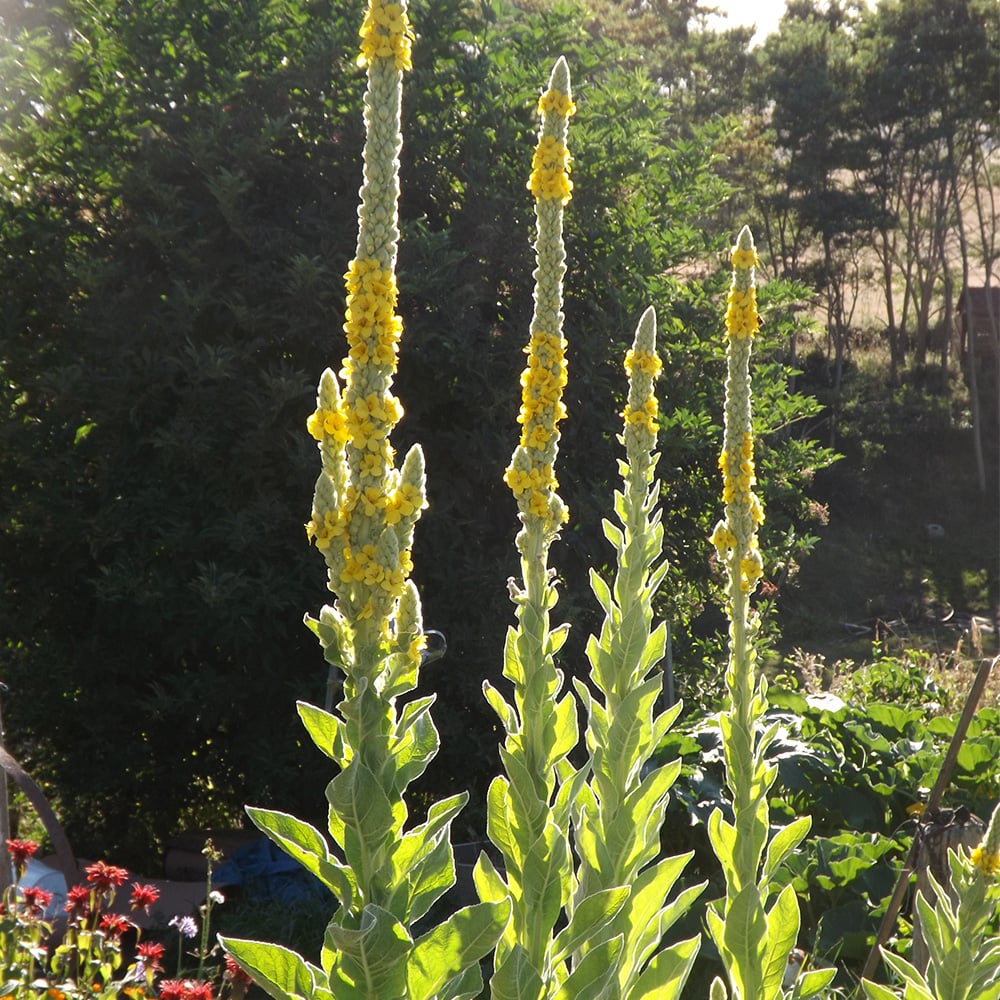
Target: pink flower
[{"x": 185, "y": 989}]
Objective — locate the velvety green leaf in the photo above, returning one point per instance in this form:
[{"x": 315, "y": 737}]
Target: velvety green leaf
[
  {"x": 723, "y": 838},
  {"x": 667, "y": 972},
  {"x": 601, "y": 591},
  {"x": 366, "y": 811},
  {"x": 277, "y": 970},
  {"x": 498, "y": 822},
  {"x": 457, "y": 943},
  {"x": 567, "y": 733},
  {"x": 589, "y": 917},
  {"x": 325, "y": 730},
  {"x": 504, "y": 711},
  {"x": 306, "y": 845},
  {"x": 782, "y": 933},
  {"x": 783, "y": 843},
  {"x": 516, "y": 978},
  {"x": 813, "y": 983},
  {"x": 546, "y": 875},
  {"x": 745, "y": 936},
  {"x": 375, "y": 955},
  {"x": 591, "y": 976}
]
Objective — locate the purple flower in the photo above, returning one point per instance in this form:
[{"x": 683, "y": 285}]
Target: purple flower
[{"x": 186, "y": 926}]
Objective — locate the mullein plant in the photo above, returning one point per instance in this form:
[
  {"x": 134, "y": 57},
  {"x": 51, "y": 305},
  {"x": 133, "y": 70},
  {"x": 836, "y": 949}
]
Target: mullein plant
[
  {"x": 528, "y": 809},
  {"x": 754, "y": 935},
  {"x": 382, "y": 876},
  {"x": 959, "y": 930},
  {"x": 619, "y": 813}
]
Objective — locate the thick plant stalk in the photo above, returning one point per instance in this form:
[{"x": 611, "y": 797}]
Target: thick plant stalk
[
  {"x": 619, "y": 813},
  {"x": 753, "y": 941},
  {"x": 528, "y": 809},
  {"x": 383, "y": 876}
]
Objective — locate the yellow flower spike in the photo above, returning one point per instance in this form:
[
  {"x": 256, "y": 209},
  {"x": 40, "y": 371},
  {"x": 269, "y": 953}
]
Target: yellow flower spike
[{"x": 545, "y": 375}]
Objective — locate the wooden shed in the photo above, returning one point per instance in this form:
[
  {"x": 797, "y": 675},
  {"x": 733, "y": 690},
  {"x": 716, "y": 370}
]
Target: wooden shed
[{"x": 979, "y": 322}]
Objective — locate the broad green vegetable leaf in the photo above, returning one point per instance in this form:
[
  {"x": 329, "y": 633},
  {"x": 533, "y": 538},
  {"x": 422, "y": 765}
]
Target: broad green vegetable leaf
[{"x": 782, "y": 933}]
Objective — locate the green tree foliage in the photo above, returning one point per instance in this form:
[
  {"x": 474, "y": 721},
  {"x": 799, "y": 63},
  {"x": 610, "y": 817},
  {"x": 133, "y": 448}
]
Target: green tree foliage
[{"x": 178, "y": 198}]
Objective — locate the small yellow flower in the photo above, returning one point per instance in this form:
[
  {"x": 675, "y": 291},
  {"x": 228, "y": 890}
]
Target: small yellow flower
[
  {"x": 386, "y": 34},
  {"x": 986, "y": 862},
  {"x": 554, "y": 102},
  {"x": 550, "y": 169}
]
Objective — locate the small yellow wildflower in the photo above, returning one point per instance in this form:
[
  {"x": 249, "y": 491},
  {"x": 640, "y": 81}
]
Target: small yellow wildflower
[
  {"x": 386, "y": 34},
  {"x": 554, "y": 102},
  {"x": 986, "y": 862}
]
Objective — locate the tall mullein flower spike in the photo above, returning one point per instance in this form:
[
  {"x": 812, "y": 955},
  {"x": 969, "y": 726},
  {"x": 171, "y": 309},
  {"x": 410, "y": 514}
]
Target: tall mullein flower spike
[
  {"x": 620, "y": 811},
  {"x": 531, "y": 473},
  {"x": 528, "y": 809},
  {"x": 753, "y": 942},
  {"x": 363, "y": 517},
  {"x": 385, "y": 875}
]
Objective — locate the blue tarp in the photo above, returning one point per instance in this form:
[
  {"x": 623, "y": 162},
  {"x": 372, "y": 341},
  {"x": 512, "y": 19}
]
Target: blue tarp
[{"x": 266, "y": 874}]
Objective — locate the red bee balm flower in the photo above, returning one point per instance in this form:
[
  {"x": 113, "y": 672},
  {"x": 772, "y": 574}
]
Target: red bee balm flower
[
  {"x": 104, "y": 877},
  {"x": 143, "y": 896},
  {"x": 235, "y": 973},
  {"x": 20, "y": 851},
  {"x": 151, "y": 953},
  {"x": 184, "y": 989},
  {"x": 115, "y": 925},
  {"x": 37, "y": 900},
  {"x": 78, "y": 901}
]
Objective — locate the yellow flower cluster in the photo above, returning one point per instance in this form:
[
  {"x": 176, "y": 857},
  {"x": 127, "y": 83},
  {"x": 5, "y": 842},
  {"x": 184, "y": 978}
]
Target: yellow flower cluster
[
  {"x": 555, "y": 102},
  {"x": 333, "y": 525},
  {"x": 370, "y": 419},
  {"x": 643, "y": 361},
  {"x": 549, "y": 180},
  {"x": 373, "y": 329},
  {"x": 741, "y": 313},
  {"x": 739, "y": 478},
  {"x": 986, "y": 862},
  {"x": 645, "y": 415},
  {"x": 533, "y": 486},
  {"x": 542, "y": 383},
  {"x": 386, "y": 34},
  {"x": 742, "y": 259},
  {"x": 328, "y": 425}
]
